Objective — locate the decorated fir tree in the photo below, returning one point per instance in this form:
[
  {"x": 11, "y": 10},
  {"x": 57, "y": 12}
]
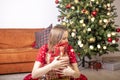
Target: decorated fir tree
[{"x": 91, "y": 25}]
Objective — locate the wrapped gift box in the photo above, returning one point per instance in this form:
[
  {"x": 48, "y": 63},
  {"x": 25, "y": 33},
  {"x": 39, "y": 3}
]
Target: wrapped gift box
[{"x": 111, "y": 65}]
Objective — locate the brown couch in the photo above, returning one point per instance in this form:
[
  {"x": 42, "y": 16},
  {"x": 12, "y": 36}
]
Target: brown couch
[{"x": 17, "y": 53}]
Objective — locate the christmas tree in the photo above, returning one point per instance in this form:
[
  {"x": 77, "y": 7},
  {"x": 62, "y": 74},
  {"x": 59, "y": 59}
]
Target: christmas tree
[{"x": 91, "y": 25}]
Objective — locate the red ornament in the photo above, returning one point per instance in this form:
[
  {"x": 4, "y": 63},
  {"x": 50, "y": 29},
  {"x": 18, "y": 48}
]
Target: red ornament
[
  {"x": 116, "y": 39},
  {"x": 68, "y": 6},
  {"x": 79, "y": 54},
  {"x": 56, "y": 1},
  {"x": 84, "y": 10},
  {"x": 109, "y": 39},
  {"x": 118, "y": 30},
  {"x": 94, "y": 13},
  {"x": 58, "y": 20}
]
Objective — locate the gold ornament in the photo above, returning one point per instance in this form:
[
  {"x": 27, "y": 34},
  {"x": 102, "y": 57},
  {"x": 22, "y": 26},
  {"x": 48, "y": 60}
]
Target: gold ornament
[
  {"x": 84, "y": 31},
  {"x": 104, "y": 47},
  {"x": 92, "y": 19},
  {"x": 108, "y": 35},
  {"x": 74, "y": 30},
  {"x": 71, "y": 22},
  {"x": 67, "y": 24},
  {"x": 83, "y": 24},
  {"x": 89, "y": 29},
  {"x": 79, "y": 42},
  {"x": 104, "y": 26},
  {"x": 61, "y": 6},
  {"x": 86, "y": 12},
  {"x": 92, "y": 40},
  {"x": 105, "y": 6},
  {"x": 98, "y": 46},
  {"x": 100, "y": 22},
  {"x": 92, "y": 0},
  {"x": 113, "y": 41},
  {"x": 68, "y": 16},
  {"x": 89, "y": 17},
  {"x": 82, "y": 21},
  {"x": 91, "y": 47},
  {"x": 73, "y": 34},
  {"x": 113, "y": 33},
  {"x": 79, "y": 37},
  {"x": 73, "y": 7},
  {"x": 108, "y": 13},
  {"x": 97, "y": 2},
  {"x": 105, "y": 21},
  {"x": 64, "y": 23},
  {"x": 81, "y": 45},
  {"x": 108, "y": 5},
  {"x": 97, "y": 9},
  {"x": 76, "y": 1}
]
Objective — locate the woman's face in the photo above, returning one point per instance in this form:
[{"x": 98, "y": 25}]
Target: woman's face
[{"x": 64, "y": 37}]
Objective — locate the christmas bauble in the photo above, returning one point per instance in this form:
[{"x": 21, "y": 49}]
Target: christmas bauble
[
  {"x": 68, "y": 6},
  {"x": 76, "y": 1},
  {"x": 94, "y": 13},
  {"x": 56, "y": 1},
  {"x": 113, "y": 33},
  {"x": 100, "y": 22},
  {"x": 84, "y": 10},
  {"x": 98, "y": 46},
  {"x": 92, "y": 40},
  {"x": 118, "y": 30},
  {"x": 73, "y": 7},
  {"x": 58, "y": 20},
  {"x": 64, "y": 23},
  {"x": 116, "y": 39},
  {"x": 109, "y": 39},
  {"x": 113, "y": 41},
  {"x": 104, "y": 47},
  {"x": 91, "y": 47}
]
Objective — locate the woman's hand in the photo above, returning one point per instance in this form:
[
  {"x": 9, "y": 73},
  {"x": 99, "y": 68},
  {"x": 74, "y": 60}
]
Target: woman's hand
[
  {"x": 68, "y": 71},
  {"x": 59, "y": 63}
]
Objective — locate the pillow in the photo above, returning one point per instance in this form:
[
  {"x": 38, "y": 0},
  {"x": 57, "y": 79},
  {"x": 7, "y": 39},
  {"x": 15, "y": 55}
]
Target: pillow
[{"x": 41, "y": 37}]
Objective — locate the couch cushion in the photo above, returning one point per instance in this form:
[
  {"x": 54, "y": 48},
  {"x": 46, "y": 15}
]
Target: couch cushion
[
  {"x": 16, "y": 50},
  {"x": 17, "y": 55},
  {"x": 42, "y": 37},
  {"x": 16, "y": 68},
  {"x": 17, "y": 38}
]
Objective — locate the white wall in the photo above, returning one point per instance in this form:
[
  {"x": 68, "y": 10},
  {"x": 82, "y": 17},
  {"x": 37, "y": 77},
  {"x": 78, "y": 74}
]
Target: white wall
[
  {"x": 32, "y": 13},
  {"x": 27, "y": 13},
  {"x": 117, "y": 5}
]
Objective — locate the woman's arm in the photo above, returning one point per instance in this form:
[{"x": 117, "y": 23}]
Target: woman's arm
[
  {"x": 71, "y": 70},
  {"x": 76, "y": 73},
  {"x": 37, "y": 72},
  {"x": 40, "y": 71}
]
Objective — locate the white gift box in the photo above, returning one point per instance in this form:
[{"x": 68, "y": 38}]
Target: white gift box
[{"x": 111, "y": 65}]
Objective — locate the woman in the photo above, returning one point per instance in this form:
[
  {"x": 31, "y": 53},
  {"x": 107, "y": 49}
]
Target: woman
[{"x": 56, "y": 60}]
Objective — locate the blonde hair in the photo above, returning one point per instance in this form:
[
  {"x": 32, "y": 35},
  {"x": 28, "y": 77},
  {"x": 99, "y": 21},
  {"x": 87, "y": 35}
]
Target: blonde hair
[{"x": 55, "y": 35}]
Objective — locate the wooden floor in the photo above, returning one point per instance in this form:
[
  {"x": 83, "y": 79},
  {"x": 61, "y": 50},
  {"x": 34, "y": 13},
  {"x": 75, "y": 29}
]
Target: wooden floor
[
  {"x": 91, "y": 75},
  {"x": 101, "y": 74}
]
